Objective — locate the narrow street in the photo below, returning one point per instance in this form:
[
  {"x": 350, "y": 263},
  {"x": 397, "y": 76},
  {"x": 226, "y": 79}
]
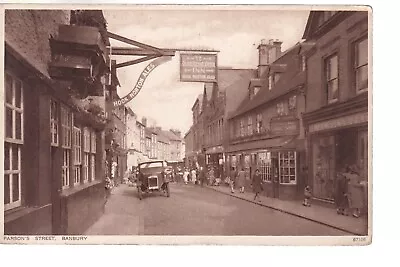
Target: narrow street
[{"x": 192, "y": 210}]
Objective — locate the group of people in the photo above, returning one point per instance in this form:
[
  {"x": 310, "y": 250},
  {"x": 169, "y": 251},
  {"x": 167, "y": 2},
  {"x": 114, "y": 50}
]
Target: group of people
[
  {"x": 238, "y": 179},
  {"x": 350, "y": 192},
  {"x": 199, "y": 176}
]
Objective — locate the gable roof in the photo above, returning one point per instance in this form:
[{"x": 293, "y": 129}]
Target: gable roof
[
  {"x": 228, "y": 76},
  {"x": 289, "y": 80}
]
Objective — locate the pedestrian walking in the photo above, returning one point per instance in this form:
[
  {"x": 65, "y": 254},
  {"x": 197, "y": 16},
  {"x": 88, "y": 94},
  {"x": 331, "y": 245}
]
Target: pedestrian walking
[
  {"x": 186, "y": 176},
  {"x": 193, "y": 176},
  {"x": 355, "y": 191},
  {"x": 202, "y": 176},
  {"x": 341, "y": 194},
  {"x": 257, "y": 184},
  {"x": 233, "y": 180},
  {"x": 241, "y": 180}
]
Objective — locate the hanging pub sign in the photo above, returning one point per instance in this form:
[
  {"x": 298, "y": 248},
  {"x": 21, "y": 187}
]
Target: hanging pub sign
[
  {"x": 198, "y": 68},
  {"x": 140, "y": 82}
]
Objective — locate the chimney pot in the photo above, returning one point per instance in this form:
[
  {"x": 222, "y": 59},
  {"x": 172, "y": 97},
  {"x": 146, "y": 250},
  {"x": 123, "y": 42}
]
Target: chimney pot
[
  {"x": 263, "y": 41},
  {"x": 271, "y": 41}
]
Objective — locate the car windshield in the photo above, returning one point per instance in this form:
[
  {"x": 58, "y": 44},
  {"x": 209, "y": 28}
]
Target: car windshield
[{"x": 149, "y": 167}]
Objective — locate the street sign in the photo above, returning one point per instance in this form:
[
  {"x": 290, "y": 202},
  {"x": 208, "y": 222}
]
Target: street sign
[{"x": 198, "y": 68}]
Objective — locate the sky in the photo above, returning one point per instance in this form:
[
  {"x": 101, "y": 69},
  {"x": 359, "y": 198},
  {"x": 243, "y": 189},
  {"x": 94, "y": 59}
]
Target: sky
[{"x": 235, "y": 33}]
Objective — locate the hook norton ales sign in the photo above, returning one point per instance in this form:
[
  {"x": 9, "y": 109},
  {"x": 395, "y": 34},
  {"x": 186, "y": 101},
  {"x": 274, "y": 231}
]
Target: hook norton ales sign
[
  {"x": 198, "y": 67},
  {"x": 140, "y": 82}
]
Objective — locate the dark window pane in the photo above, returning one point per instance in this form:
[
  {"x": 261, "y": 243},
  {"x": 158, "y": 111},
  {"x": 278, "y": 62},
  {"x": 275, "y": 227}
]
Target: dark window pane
[
  {"x": 9, "y": 123},
  {"x": 15, "y": 165},
  {"x": 6, "y": 156},
  {"x": 15, "y": 188},
  {"x": 6, "y": 189},
  {"x": 362, "y": 77},
  {"x": 18, "y": 125},
  {"x": 362, "y": 52},
  {"x": 18, "y": 92},
  {"x": 8, "y": 83}
]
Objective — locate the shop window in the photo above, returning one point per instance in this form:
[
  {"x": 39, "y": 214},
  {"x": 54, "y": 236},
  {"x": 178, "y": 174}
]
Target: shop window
[
  {"x": 287, "y": 167},
  {"x": 13, "y": 141},
  {"x": 264, "y": 165},
  {"x": 54, "y": 122},
  {"x": 324, "y": 165},
  {"x": 332, "y": 78},
  {"x": 361, "y": 65}
]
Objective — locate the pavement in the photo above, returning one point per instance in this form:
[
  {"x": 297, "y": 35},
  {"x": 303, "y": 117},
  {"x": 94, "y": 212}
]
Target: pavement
[
  {"x": 316, "y": 213},
  {"x": 195, "y": 210}
]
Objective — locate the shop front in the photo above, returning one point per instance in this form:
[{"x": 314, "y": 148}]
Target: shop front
[
  {"x": 278, "y": 160},
  {"x": 215, "y": 160},
  {"x": 336, "y": 142},
  {"x": 335, "y": 145}
]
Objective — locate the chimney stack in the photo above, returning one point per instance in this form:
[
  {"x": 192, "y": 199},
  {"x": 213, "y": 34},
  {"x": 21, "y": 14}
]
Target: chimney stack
[
  {"x": 144, "y": 121},
  {"x": 277, "y": 47}
]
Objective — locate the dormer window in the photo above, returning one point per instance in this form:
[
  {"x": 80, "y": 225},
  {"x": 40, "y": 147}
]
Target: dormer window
[
  {"x": 276, "y": 77},
  {"x": 303, "y": 63},
  {"x": 256, "y": 89},
  {"x": 270, "y": 82}
]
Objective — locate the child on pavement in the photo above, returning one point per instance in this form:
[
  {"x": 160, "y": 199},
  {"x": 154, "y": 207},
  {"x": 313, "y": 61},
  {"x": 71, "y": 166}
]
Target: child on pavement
[{"x": 307, "y": 196}]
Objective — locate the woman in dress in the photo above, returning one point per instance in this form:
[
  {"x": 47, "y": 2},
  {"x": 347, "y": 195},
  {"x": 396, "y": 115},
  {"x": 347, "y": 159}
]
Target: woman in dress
[{"x": 257, "y": 184}]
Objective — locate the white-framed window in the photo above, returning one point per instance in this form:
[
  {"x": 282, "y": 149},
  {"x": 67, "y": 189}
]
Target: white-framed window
[
  {"x": 361, "y": 64},
  {"x": 54, "y": 122},
  {"x": 264, "y": 163},
  {"x": 65, "y": 168},
  {"x": 13, "y": 141},
  {"x": 93, "y": 167},
  {"x": 66, "y": 127},
  {"x": 292, "y": 102},
  {"x": 250, "y": 125},
  {"x": 242, "y": 129},
  {"x": 270, "y": 82},
  {"x": 66, "y": 144},
  {"x": 277, "y": 76},
  {"x": 93, "y": 142},
  {"x": 85, "y": 167},
  {"x": 259, "y": 123},
  {"x": 77, "y": 154},
  {"x": 332, "y": 78},
  {"x": 287, "y": 167},
  {"x": 303, "y": 63}
]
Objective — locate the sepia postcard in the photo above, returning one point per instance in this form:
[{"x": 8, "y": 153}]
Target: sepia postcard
[{"x": 186, "y": 124}]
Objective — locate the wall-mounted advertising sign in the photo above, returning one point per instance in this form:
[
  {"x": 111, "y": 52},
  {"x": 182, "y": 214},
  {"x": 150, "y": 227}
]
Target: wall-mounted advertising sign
[{"x": 198, "y": 68}]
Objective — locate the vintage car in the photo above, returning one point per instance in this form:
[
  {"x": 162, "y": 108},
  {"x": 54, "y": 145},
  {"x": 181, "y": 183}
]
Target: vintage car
[{"x": 153, "y": 176}]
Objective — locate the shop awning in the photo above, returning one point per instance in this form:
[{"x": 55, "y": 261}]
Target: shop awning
[
  {"x": 271, "y": 143},
  {"x": 215, "y": 150}
]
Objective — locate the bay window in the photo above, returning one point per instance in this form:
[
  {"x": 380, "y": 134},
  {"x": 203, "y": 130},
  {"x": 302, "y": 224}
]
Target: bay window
[
  {"x": 332, "y": 75},
  {"x": 361, "y": 65},
  {"x": 13, "y": 141}
]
